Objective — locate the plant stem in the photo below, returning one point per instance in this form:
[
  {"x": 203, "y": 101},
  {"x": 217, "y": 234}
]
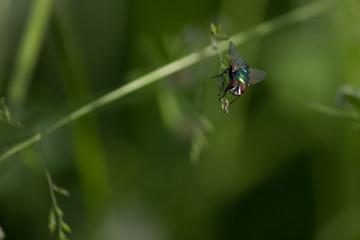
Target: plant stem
[
  {"x": 28, "y": 51},
  {"x": 51, "y": 185},
  {"x": 292, "y": 17}
]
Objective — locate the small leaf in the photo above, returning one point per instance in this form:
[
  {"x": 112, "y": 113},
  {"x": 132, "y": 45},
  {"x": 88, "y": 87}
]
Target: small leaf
[
  {"x": 59, "y": 212},
  {"x": 65, "y": 227},
  {"x": 217, "y": 34},
  {"x": 52, "y": 221},
  {"x": 61, "y": 190},
  {"x": 64, "y": 192},
  {"x": 2, "y": 234},
  {"x": 213, "y": 29},
  {"x": 62, "y": 236}
]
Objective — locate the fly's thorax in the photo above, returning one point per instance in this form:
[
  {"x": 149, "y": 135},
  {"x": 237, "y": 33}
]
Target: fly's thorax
[{"x": 242, "y": 76}]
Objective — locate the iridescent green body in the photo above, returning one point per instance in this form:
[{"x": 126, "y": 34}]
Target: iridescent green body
[{"x": 242, "y": 75}]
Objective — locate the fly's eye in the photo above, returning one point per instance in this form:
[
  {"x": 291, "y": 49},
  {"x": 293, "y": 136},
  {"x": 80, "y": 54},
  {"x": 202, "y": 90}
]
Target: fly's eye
[
  {"x": 233, "y": 84},
  {"x": 242, "y": 87}
]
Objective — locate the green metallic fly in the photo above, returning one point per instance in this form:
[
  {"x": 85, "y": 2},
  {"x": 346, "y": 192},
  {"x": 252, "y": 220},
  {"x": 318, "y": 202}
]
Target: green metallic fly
[{"x": 240, "y": 76}]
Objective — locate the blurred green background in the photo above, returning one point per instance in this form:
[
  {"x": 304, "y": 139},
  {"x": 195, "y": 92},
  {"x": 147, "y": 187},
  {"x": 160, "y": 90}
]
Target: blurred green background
[{"x": 165, "y": 162}]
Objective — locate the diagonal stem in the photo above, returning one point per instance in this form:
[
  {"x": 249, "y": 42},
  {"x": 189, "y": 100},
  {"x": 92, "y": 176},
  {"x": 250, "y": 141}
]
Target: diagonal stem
[{"x": 298, "y": 15}]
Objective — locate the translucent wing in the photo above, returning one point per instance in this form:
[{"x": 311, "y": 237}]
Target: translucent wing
[
  {"x": 256, "y": 76},
  {"x": 222, "y": 83},
  {"x": 236, "y": 61}
]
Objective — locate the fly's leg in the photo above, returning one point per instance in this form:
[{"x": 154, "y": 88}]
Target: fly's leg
[
  {"x": 234, "y": 100},
  {"x": 223, "y": 94},
  {"x": 225, "y": 71}
]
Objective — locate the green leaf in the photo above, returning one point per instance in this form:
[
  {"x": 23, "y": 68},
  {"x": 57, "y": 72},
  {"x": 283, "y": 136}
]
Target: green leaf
[
  {"x": 52, "y": 221},
  {"x": 65, "y": 227},
  {"x": 213, "y": 29},
  {"x": 59, "y": 212},
  {"x": 217, "y": 34},
  {"x": 61, "y": 190},
  {"x": 62, "y": 236}
]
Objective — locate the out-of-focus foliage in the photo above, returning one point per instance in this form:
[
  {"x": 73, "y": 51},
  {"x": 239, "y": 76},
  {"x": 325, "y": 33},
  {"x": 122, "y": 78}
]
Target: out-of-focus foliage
[
  {"x": 2, "y": 234},
  {"x": 349, "y": 99},
  {"x": 270, "y": 169}
]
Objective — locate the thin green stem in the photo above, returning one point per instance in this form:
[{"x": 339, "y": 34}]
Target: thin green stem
[
  {"x": 292, "y": 17},
  {"x": 51, "y": 185},
  {"x": 295, "y": 16},
  {"x": 219, "y": 53},
  {"x": 28, "y": 50},
  {"x": 56, "y": 207}
]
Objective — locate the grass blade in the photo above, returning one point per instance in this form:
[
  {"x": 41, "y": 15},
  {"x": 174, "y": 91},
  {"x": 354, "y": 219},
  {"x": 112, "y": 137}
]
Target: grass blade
[{"x": 28, "y": 51}]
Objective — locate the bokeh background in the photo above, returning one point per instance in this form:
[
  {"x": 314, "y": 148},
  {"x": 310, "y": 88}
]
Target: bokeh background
[{"x": 165, "y": 162}]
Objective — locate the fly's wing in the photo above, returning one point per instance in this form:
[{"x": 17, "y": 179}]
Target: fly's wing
[
  {"x": 222, "y": 83},
  {"x": 256, "y": 76},
  {"x": 236, "y": 61}
]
